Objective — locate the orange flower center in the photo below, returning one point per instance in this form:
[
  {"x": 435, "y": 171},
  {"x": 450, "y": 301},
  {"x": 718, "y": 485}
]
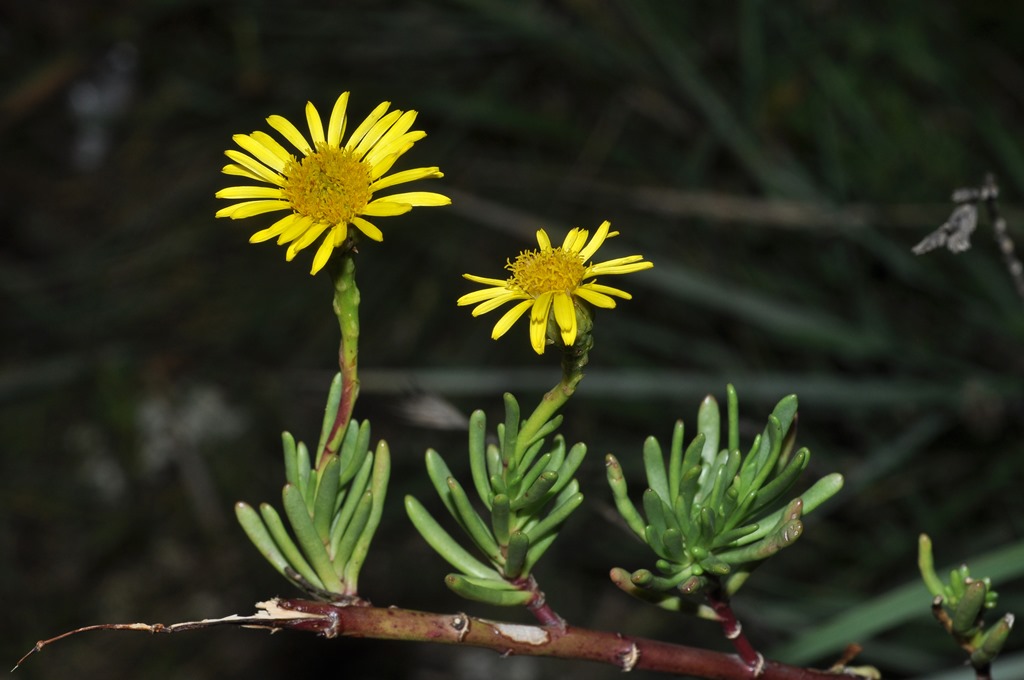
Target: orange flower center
[
  {"x": 328, "y": 185},
  {"x": 546, "y": 271}
]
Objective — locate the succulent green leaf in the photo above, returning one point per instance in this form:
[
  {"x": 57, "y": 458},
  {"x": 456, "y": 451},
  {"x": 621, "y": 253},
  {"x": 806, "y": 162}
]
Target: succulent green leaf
[
  {"x": 967, "y": 611},
  {"x": 675, "y": 462},
  {"x": 620, "y": 493},
  {"x": 656, "y": 511},
  {"x": 487, "y": 591},
  {"x": 538, "y": 494},
  {"x": 443, "y": 544},
  {"x": 536, "y": 551},
  {"x": 473, "y": 524},
  {"x": 556, "y": 517},
  {"x": 439, "y": 475},
  {"x": 733, "y": 411},
  {"x": 501, "y": 518},
  {"x": 330, "y": 411},
  {"x": 926, "y": 565},
  {"x": 291, "y": 460},
  {"x": 478, "y": 455},
  {"x": 773, "y": 490},
  {"x": 515, "y": 560},
  {"x": 569, "y": 467},
  {"x": 709, "y": 424},
  {"x": 654, "y": 467},
  {"x": 672, "y": 540},
  {"x": 305, "y": 485},
  {"x": 510, "y": 436},
  {"x": 260, "y": 537},
  {"x": 308, "y": 539},
  {"x": 527, "y": 457},
  {"x": 326, "y": 494},
  {"x": 992, "y": 642},
  {"x": 347, "y": 540},
  {"x": 287, "y": 546},
  {"x": 352, "y": 498},
  {"x": 355, "y": 448},
  {"x": 531, "y": 476},
  {"x": 494, "y": 465},
  {"x": 379, "y": 487},
  {"x": 543, "y": 431},
  {"x": 621, "y": 578}
]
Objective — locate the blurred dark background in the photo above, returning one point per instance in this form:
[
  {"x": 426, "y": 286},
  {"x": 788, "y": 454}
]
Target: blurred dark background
[{"x": 776, "y": 161}]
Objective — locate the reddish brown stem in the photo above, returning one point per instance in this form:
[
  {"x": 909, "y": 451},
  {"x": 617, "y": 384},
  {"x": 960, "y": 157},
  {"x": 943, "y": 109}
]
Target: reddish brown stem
[
  {"x": 733, "y": 629},
  {"x": 568, "y": 642},
  {"x": 571, "y": 642},
  {"x": 539, "y": 606}
]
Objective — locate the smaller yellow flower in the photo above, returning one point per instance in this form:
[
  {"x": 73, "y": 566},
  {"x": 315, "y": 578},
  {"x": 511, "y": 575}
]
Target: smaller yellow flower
[
  {"x": 552, "y": 279},
  {"x": 331, "y": 185}
]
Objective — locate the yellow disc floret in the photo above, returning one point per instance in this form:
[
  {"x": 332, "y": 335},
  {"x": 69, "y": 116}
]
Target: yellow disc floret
[
  {"x": 329, "y": 185},
  {"x": 546, "y": 271}
]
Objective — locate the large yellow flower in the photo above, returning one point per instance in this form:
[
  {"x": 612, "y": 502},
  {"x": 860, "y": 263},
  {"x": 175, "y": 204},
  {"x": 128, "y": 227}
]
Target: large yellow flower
[
  {"x": 548, "y": 279},
  {"x": 330, "y": 186}
]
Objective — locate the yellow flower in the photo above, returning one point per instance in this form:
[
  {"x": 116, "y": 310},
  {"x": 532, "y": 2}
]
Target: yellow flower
[
  {"x": 331, "y": 186},
  {"x": 549, "y": 279}
]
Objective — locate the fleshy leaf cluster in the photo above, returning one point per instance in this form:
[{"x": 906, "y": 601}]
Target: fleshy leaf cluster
[
  {"x": 710, "y": 513},
  {"x": 528, "y": 490},
  {"x": 333, "y": 509}
]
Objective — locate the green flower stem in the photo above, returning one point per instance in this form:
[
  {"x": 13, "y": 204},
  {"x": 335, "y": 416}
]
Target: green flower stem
[
  {"x": 346, "y": 308},
  {"x": 573, "y": 361}
]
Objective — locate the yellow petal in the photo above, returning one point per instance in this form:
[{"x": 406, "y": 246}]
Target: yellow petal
[
  {"x": 418, "y": 198},
  {"x": 383, "y": 207},
  {"x": 290, "y": 132},
  {"x": 606, "y": 290},
  {"x": 509, "y": 318},
  {"x": 396, "y": 132},
  {"x": 542, "y": 240},
  {"x": 594, "y": 297},
  {"x": 565, "y": 317},
  {"x": 238, "y": 170},
  {"x": 621, "y": 265},
  {"x": 261, "y": 171},
  {"x": 340, "y": 234},
  {"x": 539, "y": 321},
  {"x": 323, "y": 253},
  {"x": 295, "y": 229},
  {"x": 368, "y": 122},
  {"x": 595, "y": 243},
  {"x": 336, "y": 128},
  {"x": 487, "y": 281},
  {"x": 259, "y": 152},
  {"x": 272, "y": 146},
  {"x": 481, "y": 295},
  {"x": 249, "y": 192},
  {"x": 574, "y": 240},
  {"x": 308, "y": 237},
  {"x": 252, "y": 208},
  {"x": 498, "y": 301},
  {"x": 406, "y": 176},
  {"x": 276, "y": 229},
  {"x": 374, "y": 134},
  {"x": 316, "y": 126},
  {"x": 397, "y": 146},
  {"x": 367, "y": 228}
]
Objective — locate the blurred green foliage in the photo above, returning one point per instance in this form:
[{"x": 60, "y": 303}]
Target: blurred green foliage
[{"x": 776, "y": 161}]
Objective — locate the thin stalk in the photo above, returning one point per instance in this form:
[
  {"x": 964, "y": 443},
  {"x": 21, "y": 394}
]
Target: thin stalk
[
  {"x": 573, "y": 360},
  {"x": 732, "y": 628},
  {"x": 346, "y": 308}
]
